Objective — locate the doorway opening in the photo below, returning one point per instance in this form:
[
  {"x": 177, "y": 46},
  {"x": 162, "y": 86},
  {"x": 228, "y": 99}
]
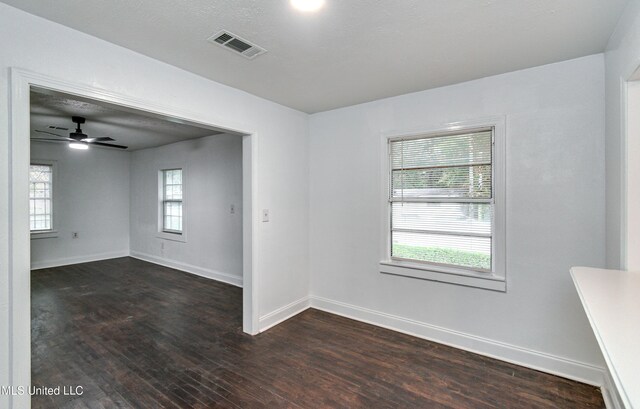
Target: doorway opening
[{"x": 23, "y": 83}]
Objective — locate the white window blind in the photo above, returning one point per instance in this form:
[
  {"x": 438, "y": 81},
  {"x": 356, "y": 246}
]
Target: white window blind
[
  {"x": 441, "y": 199},
  {"x": 172, "y": 200},
  {"x": 40, "y": 197}
]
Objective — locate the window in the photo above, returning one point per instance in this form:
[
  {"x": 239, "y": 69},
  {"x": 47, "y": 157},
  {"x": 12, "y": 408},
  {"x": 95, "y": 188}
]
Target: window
[
  {"x": 40, "y": 198},
  {"x": 445, "y": 215},
  {"x": 172, "y": 201}
]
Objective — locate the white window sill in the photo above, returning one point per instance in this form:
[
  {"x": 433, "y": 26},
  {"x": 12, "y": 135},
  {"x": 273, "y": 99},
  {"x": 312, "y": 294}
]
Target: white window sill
[
  {"x": 172, "y": 236},
  {"x": 45, "y": 234},
  {"x": 486, "y": 281}
]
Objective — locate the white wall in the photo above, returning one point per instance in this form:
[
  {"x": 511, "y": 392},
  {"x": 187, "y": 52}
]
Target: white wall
[
  {"x": 555, "y": 215},
  {"x": 212, "y": 177},
  {"x": 281, "y": 258},
  {"x": 622, "y": 59},
  {"x": 83, "y": 179}
]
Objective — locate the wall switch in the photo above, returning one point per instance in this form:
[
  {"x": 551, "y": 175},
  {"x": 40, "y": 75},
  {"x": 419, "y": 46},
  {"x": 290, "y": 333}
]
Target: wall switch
[
  {"x": 74, "y": 235},
  {"x": 233, "y": 209},
  {"x": 265, "y": 215}
]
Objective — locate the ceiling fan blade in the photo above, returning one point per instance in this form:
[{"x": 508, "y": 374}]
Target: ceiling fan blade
[
  {"x": 101, "y": 139},
  {"x": 50, "y": 133},
  {"x": 62, "y": 138},
  {"x": 108, "y": 145},
  {"x": 48, "y": 139}
]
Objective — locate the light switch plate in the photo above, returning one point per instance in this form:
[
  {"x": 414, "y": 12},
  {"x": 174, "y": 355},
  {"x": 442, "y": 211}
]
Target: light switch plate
[{"x": 265, "y": 215}]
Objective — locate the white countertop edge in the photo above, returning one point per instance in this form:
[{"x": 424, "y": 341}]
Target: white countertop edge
[{"x": 603, "y": 347}]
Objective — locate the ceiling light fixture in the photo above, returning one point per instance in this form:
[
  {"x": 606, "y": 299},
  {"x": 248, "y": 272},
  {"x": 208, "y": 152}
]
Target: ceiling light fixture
[
  {"x": 307, "y": 6},
  {"x": 79, "y": 145}
]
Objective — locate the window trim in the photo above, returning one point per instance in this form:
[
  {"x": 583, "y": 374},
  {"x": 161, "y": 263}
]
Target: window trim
[
  {"x": 492, "y": 280},
  {"x": 53, "y": 231},
  {"x": 161, "y": 232}
]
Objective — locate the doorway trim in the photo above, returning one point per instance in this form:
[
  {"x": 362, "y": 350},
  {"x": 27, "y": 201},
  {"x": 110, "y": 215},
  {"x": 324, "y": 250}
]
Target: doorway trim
[
  {"x": 630, "y": 224},
  {"x": 21, "y": 81}
]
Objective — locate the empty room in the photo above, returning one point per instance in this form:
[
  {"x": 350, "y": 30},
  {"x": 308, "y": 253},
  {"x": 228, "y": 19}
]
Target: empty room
[{"x": 320, "y": 204}]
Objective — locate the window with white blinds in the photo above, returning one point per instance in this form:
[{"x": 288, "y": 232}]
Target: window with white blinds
[
  {"x": 172, "y": 201},
  {"x": 442, "y": 200}
]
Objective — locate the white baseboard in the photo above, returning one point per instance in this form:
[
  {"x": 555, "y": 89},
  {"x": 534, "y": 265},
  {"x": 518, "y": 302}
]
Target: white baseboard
[
  {"x": 37, "y": 265},
  {"x": 540, "y": 361},
  {"x": 610, "y": 393},
  {"x": 282, "y": 314},
  {"x": 188, "y": 268}
]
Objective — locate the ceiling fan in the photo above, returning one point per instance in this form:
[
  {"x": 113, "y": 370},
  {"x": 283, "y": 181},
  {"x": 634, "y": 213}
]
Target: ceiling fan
[{"x": 78, "y": 139}]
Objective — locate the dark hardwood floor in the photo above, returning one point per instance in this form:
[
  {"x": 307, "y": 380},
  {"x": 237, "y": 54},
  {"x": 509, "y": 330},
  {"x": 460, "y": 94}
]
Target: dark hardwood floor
[{"x": 135, "y": 334}]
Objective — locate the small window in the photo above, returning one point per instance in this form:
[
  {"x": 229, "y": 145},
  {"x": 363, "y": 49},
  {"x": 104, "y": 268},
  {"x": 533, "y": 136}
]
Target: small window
[
  {"x": 40, "y": 197},
  {"x": 442, "y": 200},
  {"x": 172, "y": 201}
]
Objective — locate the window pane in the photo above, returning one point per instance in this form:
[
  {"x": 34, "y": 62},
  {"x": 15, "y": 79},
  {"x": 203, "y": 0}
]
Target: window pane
[
  {"x": 458, "y": 181},
  {"x": 447, "y": 150},
  {"x": 172, "y": 184},
  {"x": 40, "y": 173},
  {"x": 444, "y": 217},
  {"x": 173, "y": 223},
  {"x": 172, "y": 208},
  {"x": 176, "y": 192},
  {"x": 173, "y": 216},
  {"x": 474, "y": 252}
]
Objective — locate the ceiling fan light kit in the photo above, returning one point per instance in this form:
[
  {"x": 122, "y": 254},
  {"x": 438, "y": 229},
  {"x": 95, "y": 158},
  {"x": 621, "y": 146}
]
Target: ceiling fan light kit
[
  {"x": 79, "y": 145},
  {"x": 307, "y": 6}
]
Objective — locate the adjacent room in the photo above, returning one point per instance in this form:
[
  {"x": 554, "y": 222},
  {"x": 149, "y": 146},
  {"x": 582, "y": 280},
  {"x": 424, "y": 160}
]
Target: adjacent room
[
  {"x": 108, "y": 215},
  {"x": 320, "y": 204}
]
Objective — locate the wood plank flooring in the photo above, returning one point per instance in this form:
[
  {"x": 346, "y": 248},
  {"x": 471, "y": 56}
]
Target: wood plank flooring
[{"x": 138, "y": 335}]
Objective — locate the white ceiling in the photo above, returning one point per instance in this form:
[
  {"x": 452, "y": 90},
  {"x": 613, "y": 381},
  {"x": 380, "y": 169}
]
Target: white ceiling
[
  {"x": 134, "y": 129},
  {"x": 351, "y": 51}
]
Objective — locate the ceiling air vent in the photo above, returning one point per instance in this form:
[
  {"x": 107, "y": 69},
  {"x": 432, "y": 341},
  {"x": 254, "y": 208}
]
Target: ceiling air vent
[{"x": 236, "y": 44}]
